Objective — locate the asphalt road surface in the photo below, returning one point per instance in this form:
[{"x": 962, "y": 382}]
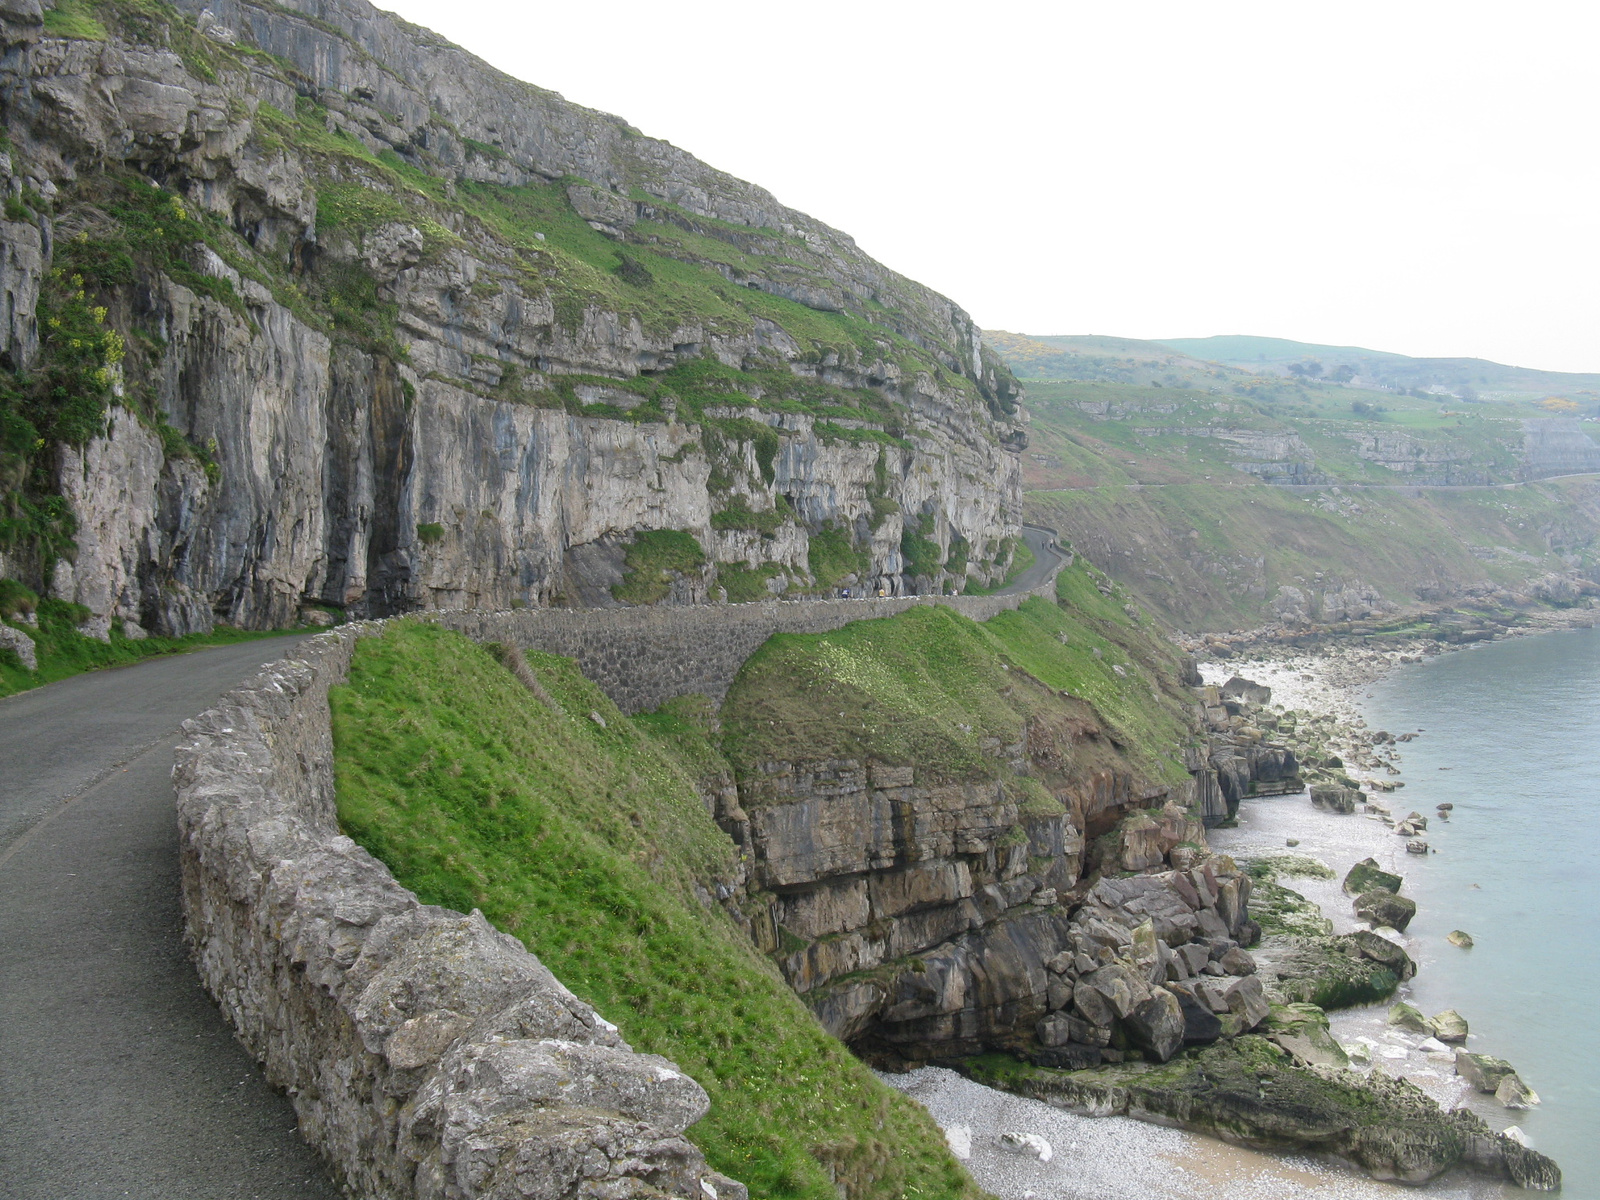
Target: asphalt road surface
[
  {"x": 1045, "y": 559},
  {"x": 118, "y": 1077}
]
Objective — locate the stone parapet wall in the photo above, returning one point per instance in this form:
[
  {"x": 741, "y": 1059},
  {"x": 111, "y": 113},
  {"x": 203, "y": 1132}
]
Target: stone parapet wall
[
  {"x": 641, "y": 657},
  {"x": 428, "y": 1056}
]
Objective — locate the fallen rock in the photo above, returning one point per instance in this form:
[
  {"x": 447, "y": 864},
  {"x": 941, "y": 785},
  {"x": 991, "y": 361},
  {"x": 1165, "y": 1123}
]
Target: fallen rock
[
  {"x": 1026, "y": 1143},
  {"x": 1247, "y": 1000},
  {"x": 21, "y": 645},
  {"x": 1385, "y": 908},
  {"x": 1333, "y": 797},
  {"x": 1157, "y": 1025},
  {"x": 1482, "y": 1071},
  {"x": 1302, "y": 1030},
  {"x": 1404, "y": 1016},
  {"x": 1459, "y": 937},
  {"x": 1513, "y": 1093},
  {"x": 1237, "y": 962},
  {"x": 1337, "y": 972},
  {"x": 1201, "y": 1025},
  {"x": 1367, "y": 876},
  {"x": 1416, "y": 847},
  {"x": 1449, "y": 1026},
  {"x": 1381, "y": 950}
]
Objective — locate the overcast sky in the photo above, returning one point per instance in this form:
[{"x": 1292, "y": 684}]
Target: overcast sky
[{"x": 1409, "y": 176}]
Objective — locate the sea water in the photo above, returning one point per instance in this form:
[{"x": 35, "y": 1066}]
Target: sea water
[{"x": 1511, "y": 738}]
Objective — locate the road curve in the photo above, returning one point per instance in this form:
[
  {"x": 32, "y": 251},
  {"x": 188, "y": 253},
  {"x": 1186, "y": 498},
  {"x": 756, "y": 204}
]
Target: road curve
[
  {"x": 1047, "y": 558},
  {"x": 118, "y": 1077}
]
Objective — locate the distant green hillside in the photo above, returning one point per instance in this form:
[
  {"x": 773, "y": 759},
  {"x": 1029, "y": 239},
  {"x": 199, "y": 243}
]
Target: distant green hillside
[
  {"x": 1159, "y": 481},
  {"x": 1467, "y": 377},
  {"x": 1104, "y": 359},
  {"x": 1239, "y": 361},
  {"x": 1244, "y": 349}
]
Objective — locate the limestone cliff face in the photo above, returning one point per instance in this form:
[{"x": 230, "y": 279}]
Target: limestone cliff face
[{"x": 418, "y": 334}]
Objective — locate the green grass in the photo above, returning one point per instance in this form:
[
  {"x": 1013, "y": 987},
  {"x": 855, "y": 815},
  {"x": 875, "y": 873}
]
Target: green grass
[
  {"x": 73, "y": 19},
  {"x": 586, "y": 843},
  {"x": 927, "y": 687},
  {"x": 744, "y": 583},
  {"x": 831, "y": 554},
  {"x": 653, "y": 558},
  {"x": 63, "y": 652}
]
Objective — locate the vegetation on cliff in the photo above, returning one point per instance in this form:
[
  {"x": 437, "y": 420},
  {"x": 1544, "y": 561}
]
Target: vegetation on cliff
[
  {"x": 586, "y": 838},
  {"x": 934, "y": 690},
  {"x": 1163, "y": 487},
  {"x": 459, "y": 237}
]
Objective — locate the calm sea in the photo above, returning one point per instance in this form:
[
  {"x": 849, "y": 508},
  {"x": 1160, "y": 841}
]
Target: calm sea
[{"x": 1517, "y": 725}]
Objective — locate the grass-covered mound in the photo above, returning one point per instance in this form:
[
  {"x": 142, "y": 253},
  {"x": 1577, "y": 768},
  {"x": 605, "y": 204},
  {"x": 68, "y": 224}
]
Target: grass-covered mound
[
  {"x": 931, "y": 689},
  {"x": 586, "y": 840}
]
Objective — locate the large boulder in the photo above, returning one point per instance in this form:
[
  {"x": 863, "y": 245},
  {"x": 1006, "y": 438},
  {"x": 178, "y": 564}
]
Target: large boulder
[
  {"x": 1373, "y": 948},
  {"x": 1113, "y": 984},
  {"x": 1367, "y": 875},
  {"x": 1411, "y": 1020},
  {"x": 1334, "y": 797},
  {"x": 1302, "y": 1030},
  {"x": 1246, "y": 691},
  {"x": 1247, "y": 1000},
  {"x": 1482, "y": 1071},
  {"x": 1449, "y": 1026},
  {"x": 1157, "y": 1025},
  {"x": 1201, "y": 1026},
  {"x": 1513, "y": 1093},
  {"x": 1385, "y": 908},
  {"x": 1337, "y": 972}
]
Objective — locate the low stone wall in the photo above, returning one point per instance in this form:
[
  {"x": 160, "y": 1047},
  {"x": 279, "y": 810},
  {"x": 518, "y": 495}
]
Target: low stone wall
[
  {"x": 428, "y": 1056},
  {"x": 641, "y": 657}
]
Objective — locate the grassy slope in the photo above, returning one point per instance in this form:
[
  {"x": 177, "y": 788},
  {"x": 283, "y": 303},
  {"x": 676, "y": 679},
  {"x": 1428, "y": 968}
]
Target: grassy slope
[
  {"x": 585, "y": 842},
  {"x": 926, "y": 687},
  {"x": 1210, "y": 557},
  {"x": 62, "y": 651},
  {"x": 1206, "y": 546}
]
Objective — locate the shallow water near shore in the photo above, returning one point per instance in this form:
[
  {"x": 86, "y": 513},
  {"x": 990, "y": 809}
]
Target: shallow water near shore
[{"x": 1517, "y": 724}]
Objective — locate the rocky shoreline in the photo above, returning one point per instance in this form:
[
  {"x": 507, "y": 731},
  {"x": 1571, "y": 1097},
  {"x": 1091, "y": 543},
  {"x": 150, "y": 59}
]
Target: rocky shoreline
[
  {"x": 1339, "y": 1035},
  {"x": 1350, "y": 769}
]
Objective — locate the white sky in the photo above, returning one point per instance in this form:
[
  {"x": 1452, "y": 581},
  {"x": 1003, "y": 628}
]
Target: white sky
[{"x": 1411, "y": 176}]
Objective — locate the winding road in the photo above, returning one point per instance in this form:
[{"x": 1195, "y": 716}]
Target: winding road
[{"x": 118, "y": 1076}]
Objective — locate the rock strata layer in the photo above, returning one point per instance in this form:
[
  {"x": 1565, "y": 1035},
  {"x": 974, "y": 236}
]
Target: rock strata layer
[{"x": 384, "y": 340}]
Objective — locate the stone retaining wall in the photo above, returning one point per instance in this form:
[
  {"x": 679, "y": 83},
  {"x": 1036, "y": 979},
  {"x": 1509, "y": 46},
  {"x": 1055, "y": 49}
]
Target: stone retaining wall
[
  {"x": 641, "y": 657},
  {"x": 428, "y": 1056}
]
